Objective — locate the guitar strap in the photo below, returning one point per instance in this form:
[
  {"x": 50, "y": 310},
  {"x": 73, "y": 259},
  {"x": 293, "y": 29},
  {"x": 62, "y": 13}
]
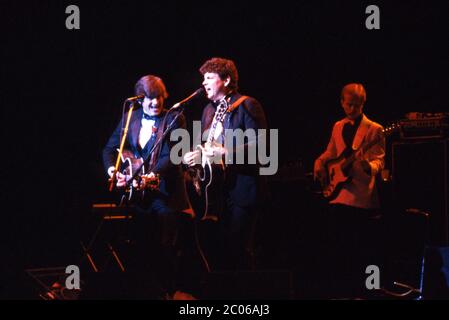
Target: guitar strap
[
  {"x": 231, "y": 108},
  {"x": 234, "y": 106},
  {"x": 156, "y": 152},
  {"x": 236, "y": 103}
]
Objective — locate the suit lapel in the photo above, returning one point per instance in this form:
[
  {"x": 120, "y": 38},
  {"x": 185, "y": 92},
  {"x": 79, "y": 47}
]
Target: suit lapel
[
  {"x": 339, "y": 135},
  {"x": 361, "y": 133},
  {"x": 227, "y": 122},
  {"x": 135, "y": 125}
]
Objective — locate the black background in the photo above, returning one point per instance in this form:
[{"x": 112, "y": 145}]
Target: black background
[{"x": 62, "y": 90}]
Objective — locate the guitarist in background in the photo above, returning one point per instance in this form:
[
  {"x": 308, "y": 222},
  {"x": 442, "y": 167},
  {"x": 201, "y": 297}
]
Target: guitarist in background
[
  {"x": 155, "y": 222},
  {"x": 354, "y": 214},
  {"x": 242, "y": 186}
]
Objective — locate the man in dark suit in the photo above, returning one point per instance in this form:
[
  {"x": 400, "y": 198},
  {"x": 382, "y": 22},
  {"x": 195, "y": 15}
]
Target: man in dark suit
[
  {"x": 146, "y": 126},
  {"x": 155, "y": 219},
  {"x": 243, "y": 186}
]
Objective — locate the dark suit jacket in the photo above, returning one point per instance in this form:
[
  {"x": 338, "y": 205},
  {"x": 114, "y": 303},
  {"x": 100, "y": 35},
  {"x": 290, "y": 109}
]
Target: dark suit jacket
[
  {"x": 172, "y": 186},
  {"x": 243, "y": 182}
]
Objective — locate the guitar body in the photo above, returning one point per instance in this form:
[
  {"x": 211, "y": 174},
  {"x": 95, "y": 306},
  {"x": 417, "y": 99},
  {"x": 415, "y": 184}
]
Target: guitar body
[
  {"x": 205, "y": 182},
  {"x": 337, "y": 176},
  {"x": 206, "y": 198},
  {"x": 135, "y": 192},
  {"x": 338, "y": 168}
]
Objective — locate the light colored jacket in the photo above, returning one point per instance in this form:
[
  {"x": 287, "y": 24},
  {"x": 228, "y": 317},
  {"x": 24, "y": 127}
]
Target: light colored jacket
[{"x": 361, "y": 192}]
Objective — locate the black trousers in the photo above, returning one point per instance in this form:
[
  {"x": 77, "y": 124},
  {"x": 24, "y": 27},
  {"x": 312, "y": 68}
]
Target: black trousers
[
  {"x": 236, "y": 232},
  {"x": 228, "y": 242},
  {"x": 356, "y": 241},
  {"x": 154, "y": 231}
]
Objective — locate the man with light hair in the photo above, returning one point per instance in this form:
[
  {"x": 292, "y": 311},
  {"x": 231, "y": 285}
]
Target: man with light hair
[{"x": 354, "y": 214}]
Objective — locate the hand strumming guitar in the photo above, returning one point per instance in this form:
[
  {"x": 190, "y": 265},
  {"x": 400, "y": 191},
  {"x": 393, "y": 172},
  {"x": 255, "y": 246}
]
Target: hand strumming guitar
[
  {"x": 320, "y": 172},
  {"x": 120, "y": 177},
  {"x": 214, "y": 151},
  {"x": 361, "y": 164},
  {"x": 194, "y": 157}
]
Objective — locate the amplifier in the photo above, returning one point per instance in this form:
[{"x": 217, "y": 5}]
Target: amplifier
[{"x": 424, "y": 125}]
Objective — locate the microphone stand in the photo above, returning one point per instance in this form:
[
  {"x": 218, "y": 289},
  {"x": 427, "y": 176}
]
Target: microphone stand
[
  {"x": 122, "y": 144},
  {"x": 157, "y": 143}
]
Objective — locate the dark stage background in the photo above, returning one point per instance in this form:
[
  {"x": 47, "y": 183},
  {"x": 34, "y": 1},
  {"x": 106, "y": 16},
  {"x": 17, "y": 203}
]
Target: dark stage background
[{"x": 62, "y": 93}]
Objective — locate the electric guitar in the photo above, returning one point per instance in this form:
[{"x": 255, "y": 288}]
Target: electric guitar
[{"x": 338, "y": 168}]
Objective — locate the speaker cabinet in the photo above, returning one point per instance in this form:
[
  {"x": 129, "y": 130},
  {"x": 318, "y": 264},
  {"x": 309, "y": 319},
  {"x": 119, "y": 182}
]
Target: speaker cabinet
[{"x": 420, "y": 180}]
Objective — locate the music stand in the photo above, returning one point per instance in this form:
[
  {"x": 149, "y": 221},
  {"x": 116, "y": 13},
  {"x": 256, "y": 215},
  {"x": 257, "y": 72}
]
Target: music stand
[
  {"x": 109, "y": 212},
  {"x": 410, "y": 290},
  {"x": 52, "y": 283}
]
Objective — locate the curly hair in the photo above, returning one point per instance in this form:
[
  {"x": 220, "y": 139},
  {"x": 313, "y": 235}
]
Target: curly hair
[
  {"x": 151, "y": 86},
  {"x": 224, "y": 68}
]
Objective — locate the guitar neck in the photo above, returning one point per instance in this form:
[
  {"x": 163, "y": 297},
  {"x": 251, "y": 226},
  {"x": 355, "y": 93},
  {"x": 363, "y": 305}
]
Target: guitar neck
[
  {"x": 210, "y": 137},
  {"x": 218, "y": 118},
  {"x": 364, "y": 149}
]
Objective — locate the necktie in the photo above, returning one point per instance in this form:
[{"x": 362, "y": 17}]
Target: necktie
[{"x": 148, "y": 117}]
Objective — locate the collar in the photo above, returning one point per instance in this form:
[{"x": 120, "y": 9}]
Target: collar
[
  {"x": 148, "y": 117},
  {"x": 229, "y": 97}
]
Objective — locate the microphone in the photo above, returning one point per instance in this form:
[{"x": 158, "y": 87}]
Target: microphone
[
  {"x": 417, "y": 211},
  {"x": 139, "y": 97},
  {"x": 197, "y": 93}
]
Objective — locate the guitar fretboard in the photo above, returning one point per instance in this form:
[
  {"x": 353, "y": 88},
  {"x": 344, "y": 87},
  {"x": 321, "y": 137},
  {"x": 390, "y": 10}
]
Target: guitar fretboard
[{"x": 218, "y": 118}]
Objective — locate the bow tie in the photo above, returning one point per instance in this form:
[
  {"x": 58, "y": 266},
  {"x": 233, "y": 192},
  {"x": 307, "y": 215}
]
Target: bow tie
[{"x": 148, "y": 117}]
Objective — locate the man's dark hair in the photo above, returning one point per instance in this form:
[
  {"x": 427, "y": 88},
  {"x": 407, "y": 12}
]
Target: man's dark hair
[
  {"x": 151, "y": 86},
  {"x": 224, "y": 68}
]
